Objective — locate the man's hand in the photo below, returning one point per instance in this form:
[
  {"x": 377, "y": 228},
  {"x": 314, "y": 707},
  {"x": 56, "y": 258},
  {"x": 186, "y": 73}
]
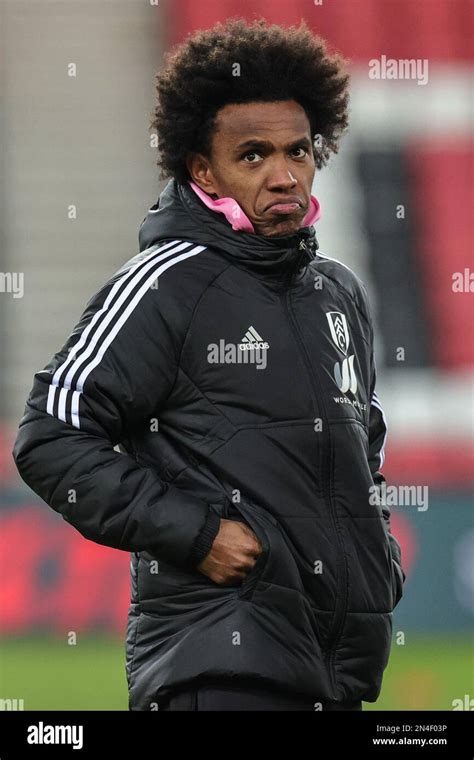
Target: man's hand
[{"x": 233, "y": 554}]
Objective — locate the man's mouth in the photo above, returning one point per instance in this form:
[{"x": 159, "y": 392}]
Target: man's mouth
[{"x": 285, "y": 206}]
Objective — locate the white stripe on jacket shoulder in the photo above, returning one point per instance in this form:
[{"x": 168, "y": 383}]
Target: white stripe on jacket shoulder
[{"x": 124, "y": 296}]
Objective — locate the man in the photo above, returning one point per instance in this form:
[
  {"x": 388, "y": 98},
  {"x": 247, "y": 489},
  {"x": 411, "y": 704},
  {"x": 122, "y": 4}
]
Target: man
[{"x": 233, "y": 365}]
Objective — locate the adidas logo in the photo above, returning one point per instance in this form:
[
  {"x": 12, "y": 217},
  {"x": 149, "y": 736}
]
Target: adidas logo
[
  {"x": 251, "y": 350},
  {"x": 252, "y": 340}
]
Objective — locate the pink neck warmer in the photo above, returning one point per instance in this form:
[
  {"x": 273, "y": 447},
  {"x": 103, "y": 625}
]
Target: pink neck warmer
[{"x": 235, "y": 214}]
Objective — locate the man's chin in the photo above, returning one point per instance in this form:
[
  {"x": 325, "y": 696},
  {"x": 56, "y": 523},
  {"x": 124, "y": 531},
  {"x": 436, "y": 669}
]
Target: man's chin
[{"x": 281, "y": 229}]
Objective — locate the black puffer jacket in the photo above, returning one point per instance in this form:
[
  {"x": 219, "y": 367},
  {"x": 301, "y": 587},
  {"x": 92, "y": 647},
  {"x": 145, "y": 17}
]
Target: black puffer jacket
[{"x": 236, "y": 373}]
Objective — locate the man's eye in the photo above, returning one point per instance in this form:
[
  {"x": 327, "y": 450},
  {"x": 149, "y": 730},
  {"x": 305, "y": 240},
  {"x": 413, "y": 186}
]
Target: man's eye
[
  {"x": 301, "y": 147},
  {"x": 250, "y": 153}
]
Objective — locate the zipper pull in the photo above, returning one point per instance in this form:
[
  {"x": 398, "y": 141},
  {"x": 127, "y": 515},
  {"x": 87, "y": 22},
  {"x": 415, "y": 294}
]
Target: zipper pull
[{"x": 306, "y": 253}]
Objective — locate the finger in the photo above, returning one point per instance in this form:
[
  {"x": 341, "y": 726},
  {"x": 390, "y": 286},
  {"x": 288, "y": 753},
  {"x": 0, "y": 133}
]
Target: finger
[{"x": 254, "y": 546}]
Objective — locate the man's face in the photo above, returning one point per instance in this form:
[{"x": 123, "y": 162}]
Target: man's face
[{"x": 261, "y": 155}]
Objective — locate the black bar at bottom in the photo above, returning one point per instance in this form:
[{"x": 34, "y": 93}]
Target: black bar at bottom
[{"x": 79, "y": 734}]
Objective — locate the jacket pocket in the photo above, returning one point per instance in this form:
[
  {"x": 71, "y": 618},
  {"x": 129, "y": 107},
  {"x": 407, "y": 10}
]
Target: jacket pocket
[
  {"x": 396, "y": 573},
  {"x": 397, "y": 583},
  {"x": 276, "y": 565},
  {"x": 243, "y": 513}
]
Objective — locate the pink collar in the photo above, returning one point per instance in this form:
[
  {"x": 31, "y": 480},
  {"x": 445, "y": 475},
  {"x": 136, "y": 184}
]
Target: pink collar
[{"x": 236, "y": 216}]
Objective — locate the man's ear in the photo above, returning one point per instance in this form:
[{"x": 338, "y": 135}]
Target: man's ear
[{"x": 200, "y": 172}]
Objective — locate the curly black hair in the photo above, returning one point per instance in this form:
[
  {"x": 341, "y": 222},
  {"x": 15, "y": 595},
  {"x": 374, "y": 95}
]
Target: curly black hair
[{"x": 273, "y": 63}]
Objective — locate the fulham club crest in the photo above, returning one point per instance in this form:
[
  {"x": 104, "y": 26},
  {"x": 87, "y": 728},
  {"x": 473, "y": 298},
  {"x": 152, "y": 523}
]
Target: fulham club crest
[{"x": 344, "y": 373}]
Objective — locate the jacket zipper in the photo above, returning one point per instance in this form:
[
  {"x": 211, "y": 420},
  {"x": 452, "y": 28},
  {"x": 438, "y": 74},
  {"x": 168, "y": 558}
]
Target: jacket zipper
[{"x": 340, "y": 612}]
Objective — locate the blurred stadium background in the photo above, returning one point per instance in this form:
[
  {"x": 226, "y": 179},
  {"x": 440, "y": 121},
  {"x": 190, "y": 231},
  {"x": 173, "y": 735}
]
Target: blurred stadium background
[{"x": 396, "y": 207}]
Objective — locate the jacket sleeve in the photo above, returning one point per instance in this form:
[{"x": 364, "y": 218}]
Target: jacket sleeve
[
  {"x": 377, "y": 438},
  {"x": 114, "y": 372}
]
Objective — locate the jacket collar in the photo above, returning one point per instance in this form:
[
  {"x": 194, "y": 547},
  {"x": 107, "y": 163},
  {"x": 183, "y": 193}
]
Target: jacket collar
[
  {"x": 179, "y": 213},
  {"x": 236, "y": 216}
]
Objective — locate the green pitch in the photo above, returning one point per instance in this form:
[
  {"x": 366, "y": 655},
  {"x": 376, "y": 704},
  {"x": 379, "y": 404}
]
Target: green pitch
[{"x": 426, "y": 673}]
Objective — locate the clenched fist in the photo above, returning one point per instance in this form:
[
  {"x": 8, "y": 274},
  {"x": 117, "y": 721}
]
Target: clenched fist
[{"x": 233, "y": 554}]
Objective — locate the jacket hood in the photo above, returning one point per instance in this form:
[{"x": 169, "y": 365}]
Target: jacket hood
[{"x": 180, "y": 213}]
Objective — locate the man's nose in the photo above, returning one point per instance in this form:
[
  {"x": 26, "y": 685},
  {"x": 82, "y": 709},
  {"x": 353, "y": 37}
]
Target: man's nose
[{"x": 281, "y": 177}]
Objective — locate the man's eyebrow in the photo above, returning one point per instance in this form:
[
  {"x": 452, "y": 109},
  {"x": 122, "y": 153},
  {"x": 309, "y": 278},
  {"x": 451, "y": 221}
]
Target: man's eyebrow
[{"x": 254, "y": 142}]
